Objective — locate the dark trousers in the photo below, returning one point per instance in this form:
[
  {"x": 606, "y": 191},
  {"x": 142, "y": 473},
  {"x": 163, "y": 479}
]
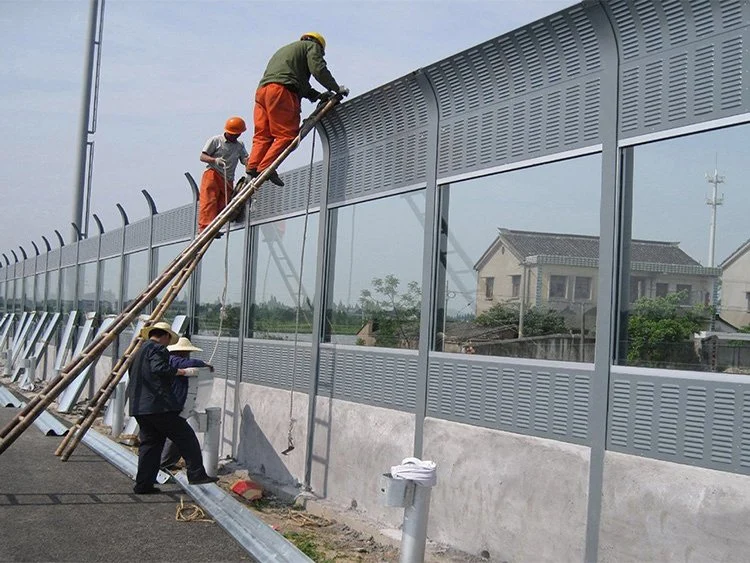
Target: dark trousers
[{"x": 154, "y": 430}]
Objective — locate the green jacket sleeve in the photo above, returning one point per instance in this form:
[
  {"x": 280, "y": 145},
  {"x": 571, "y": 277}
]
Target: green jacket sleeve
[{"x": 318, "y": 68}]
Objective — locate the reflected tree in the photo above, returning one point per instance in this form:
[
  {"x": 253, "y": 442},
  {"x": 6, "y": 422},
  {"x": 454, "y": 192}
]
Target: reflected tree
[
  {"x": 394, "y": 316},
  {"x": 537, "y": 321}
]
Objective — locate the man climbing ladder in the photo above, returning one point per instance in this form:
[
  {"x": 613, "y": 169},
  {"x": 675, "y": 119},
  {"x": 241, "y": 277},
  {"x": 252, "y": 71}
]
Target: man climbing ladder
[
  {"x": 277, "y": 100},
  {"x": 180, "y": 267}
]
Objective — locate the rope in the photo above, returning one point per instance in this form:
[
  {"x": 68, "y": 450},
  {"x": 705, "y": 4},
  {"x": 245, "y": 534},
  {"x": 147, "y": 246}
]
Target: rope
[
  {"x": 292, "y": 420},
  {"x": 223, "y": 297},
  {"x": 190, "y": 513}
]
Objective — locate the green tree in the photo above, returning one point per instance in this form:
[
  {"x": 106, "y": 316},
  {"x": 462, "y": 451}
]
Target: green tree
[
  {"x": 537, "y": 321},
  {"x": 395, "y": 315},
  {"x": 656, "y": 325}
]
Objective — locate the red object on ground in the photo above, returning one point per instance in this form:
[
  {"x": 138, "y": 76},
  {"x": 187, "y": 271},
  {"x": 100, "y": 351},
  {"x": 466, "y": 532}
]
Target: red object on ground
[{"x": 247, "y": 489}]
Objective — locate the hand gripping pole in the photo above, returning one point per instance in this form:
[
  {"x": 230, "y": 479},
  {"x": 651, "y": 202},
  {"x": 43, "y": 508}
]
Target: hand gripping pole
[{"x": 40, "y": 402}]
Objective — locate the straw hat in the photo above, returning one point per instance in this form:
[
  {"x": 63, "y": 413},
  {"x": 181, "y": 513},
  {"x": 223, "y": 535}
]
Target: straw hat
[
  {"x": 146, "y": 331},
  {"x": 184, "y": 345}
]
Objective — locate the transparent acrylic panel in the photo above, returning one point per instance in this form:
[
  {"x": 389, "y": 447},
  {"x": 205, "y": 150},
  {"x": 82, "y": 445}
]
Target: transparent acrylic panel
[
  {"x": 87, "y": 287},
  {"x": 111, "y": 276},
  {"x": 136, "y": 275},
  {"x": 39, "y": 282},
  {"x": 164, "y": 256},
  {"x": 213, "y": 276},
  {"x": 53, "y": 293},
  {"x": 375, "y": 295},
  {"x": 686, "y": 302},
  {"x": 67, "y": 289},
  {"x": 519, "y": 260},
  {"x": 28, "y": 293},
  {"x": 276, "y": 279}
]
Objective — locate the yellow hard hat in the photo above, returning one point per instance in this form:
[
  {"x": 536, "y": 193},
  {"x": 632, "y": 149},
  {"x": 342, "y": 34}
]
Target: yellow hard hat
[
  {"x": 235, "y": 126},
  {"x": 317, "y": 36}
]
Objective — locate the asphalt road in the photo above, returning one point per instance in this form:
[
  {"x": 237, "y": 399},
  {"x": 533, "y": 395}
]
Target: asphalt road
[{"x": 84, "y": 510}]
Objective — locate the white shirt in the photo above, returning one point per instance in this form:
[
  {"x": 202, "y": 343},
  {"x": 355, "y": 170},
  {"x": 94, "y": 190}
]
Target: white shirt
[{"x": 219, "y": 147}]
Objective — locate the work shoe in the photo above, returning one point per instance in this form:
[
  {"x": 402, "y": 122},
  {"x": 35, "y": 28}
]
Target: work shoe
[
  {"x": 276, "y": 179},
  {"x": 146, "y": 490},
  {"x": 203, "y": 480},
  {"x": 252, "y": 173}
]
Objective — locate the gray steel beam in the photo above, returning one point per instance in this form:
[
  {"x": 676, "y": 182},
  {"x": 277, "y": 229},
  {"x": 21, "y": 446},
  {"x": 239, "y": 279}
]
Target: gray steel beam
[
  {"x": 429, "y": 262},
  {"x": 606, "y": 316}
]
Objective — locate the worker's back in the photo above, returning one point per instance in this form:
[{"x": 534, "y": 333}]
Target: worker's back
[{"x": 293, "y": 64}]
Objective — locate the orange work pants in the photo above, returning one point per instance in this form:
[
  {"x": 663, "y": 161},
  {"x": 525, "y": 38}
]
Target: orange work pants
[
  {"x": 276, "y": 120},
  {"x": 215, "y": 193}
]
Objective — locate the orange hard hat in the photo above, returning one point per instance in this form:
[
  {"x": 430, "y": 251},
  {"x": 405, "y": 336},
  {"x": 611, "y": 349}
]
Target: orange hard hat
[{"x": 235, "y": 126}]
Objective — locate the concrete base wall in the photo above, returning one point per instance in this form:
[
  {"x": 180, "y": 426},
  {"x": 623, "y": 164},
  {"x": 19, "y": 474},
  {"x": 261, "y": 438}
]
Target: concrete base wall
[
  {"x": 354, "y": 445},
  {"x": 263, "y": 429},
  {"x": 659, "y": 511},
  {"x": 518, "y": 497}
]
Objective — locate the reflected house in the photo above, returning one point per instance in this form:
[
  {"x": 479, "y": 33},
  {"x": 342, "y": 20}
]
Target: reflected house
[
  {"x": 559, "y": 271},
  {"x": 735, "y": 286}
]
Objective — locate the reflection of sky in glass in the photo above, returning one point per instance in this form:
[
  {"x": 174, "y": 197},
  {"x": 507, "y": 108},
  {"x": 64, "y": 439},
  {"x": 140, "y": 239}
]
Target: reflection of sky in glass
[
  {"x": 110, "y": 283},
  {"x": 375, "y": 239},
  {"x": 135, "y": 275},
  {"x": 213, "y": 268},
  {"x": 560, "y": 197},
  {"x": 165, "y": 255},
  {"x": 87, "y": 282},
  {"x": 283, "y": 239},
  {"x": 670, "y": 191}
]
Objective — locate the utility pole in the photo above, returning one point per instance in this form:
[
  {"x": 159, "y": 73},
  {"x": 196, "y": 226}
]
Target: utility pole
[
  {"x": 82, "y": 188},
  {"x": 713, "y": 202}
]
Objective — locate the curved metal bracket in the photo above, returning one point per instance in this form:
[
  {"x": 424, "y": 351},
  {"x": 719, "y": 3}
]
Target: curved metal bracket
[
  {"x": 7, "y": 262},
  {"x": 150, "y": 201},
  {"x": 13, "y": 252},
  {"x": 123, "y": 215},
  {"x": 98, "y": 223},
  {"x": 23, "y": 252},
  {"x": 36, "y": 248},
  {"x": 193, "y": 186},
  {"x": 60, "y": 238},
  {"x": 77, "y": 231},
  {"x": 46, "y": 243}
]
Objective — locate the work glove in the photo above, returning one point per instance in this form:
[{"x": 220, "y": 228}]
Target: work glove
[
  {"x": 220, "y": 162},
  {"x": 343, "y": 91},
  {"x": 191, "y": 371},
  {"x": 325, "y": 96}
]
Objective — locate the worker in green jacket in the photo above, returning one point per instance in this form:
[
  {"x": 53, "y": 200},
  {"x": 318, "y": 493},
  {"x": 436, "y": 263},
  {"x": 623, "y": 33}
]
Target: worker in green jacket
[{"x": 277, "y": 101}]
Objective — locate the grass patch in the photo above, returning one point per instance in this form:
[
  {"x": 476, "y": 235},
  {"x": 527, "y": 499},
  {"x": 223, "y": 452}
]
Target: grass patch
[{"x": 307, "y": 545}]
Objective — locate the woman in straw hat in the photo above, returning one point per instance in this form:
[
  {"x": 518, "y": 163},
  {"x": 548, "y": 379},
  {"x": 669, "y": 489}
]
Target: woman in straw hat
[
  {"x": 157, "y": 410},
  {"x": 179, "y": 357}
]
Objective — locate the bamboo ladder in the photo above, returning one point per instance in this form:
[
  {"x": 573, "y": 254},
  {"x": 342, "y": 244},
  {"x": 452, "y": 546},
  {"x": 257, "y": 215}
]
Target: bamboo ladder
[{"x": 181, "y": 268}]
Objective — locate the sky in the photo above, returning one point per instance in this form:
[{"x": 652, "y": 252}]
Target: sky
[{"x": 172, "y": 72}]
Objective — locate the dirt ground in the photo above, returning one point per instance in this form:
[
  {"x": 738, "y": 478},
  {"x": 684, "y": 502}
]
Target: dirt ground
[{"x": 322, "y": 539}]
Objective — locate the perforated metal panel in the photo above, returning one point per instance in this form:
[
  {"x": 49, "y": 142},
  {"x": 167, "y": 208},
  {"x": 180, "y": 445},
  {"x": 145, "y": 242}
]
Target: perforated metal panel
[
  {"x": 529, "y": 93},
  {"x": 41, "y": 263},
  {"x": 29, "y": 266},
  {"x": 18, "y": 269},
  {"x": 69, "y": 255},
  {"x": 272, "y": 201},
  {"x": 111, "y": 244},
  {"x": 378, "y": 141},
  {"x": 174, "y": 225},
  {"x": 270, "y": 363},
  {"x": 137, "y": 235},
  {"x": 545, "y": 399},
  {"x": 682, "y": 62},
  {"x": 53, "y": 259},
  {"x": 226, "y": 358},
  {"x": 88, "y": 250},
  {"x": 701, "y": 420},
  {"x": 383, "y": 378}
]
